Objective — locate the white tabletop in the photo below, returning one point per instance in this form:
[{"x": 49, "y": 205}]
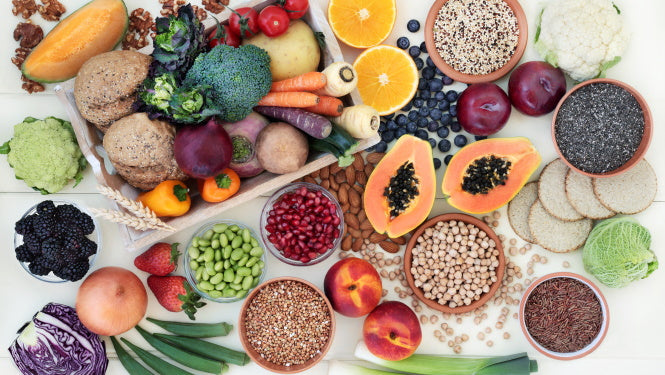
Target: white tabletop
[{"x": 634, "y": 341}]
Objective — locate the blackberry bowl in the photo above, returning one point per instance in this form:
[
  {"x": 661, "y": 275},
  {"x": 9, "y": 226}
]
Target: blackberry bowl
[{"x": 57, "y": 241}]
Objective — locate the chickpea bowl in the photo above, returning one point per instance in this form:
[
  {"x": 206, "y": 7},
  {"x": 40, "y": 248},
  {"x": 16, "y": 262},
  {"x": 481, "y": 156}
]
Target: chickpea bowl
[{"x": 454, "y": 263}]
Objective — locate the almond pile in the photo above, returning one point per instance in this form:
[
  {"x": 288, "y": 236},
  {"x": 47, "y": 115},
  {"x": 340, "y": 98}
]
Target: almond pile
[{"x": 348, "y": 185}]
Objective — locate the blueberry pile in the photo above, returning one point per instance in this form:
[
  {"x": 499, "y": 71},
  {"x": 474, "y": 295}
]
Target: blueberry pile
[
  {"x": 54, "y": 239},
  {"x": 431, "y": 114}
]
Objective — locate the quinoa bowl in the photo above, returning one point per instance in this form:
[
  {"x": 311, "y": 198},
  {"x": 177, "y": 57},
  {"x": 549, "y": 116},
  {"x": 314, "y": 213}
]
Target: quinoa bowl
[
  {"x": 564, "y": 315},
  {"x": 466, "y": 59},
  {"x": 304, "y": 315},
  {"x": 471, "y": 273},
  {"x": 609, "y": 108}
]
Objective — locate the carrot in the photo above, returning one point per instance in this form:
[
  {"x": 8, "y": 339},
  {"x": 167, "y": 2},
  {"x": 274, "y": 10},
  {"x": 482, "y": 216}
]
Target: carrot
[
  {"x": 309, "y": 81},
  {"x": 294, "y": 99},
  {"x": 328, "y": 106}
]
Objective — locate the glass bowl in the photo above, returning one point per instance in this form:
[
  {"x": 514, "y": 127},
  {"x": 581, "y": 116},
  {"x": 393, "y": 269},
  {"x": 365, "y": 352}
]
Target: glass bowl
[
  {"x": 209, "y": 230},
  {"x": 95, "y": 236},
  {"x": 275, "y": 199}
]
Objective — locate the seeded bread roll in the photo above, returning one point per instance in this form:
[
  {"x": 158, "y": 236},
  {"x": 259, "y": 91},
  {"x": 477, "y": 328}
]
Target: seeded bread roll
[
  {"x": 579, "y": 191},
  {"x": 557, "y": 235},
  {"x": 105, "y": 87},
  {"x": 141, "y": 151},
  {"x": 630, "y": 192},
  {"x": 552, "y": 191},
  {"x": 518, "y": 211}
]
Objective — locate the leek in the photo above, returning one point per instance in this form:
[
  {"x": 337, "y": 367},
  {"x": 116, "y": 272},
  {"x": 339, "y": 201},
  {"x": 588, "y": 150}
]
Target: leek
[
  {"x": 514, "y": 364},
  {"x": 345, "y": 368}
]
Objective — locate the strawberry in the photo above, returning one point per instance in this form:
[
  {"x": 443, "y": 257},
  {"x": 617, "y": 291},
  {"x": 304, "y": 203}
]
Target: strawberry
[
  {"x": 175, "y": 294},
  {"x": 160, "y": 259}
]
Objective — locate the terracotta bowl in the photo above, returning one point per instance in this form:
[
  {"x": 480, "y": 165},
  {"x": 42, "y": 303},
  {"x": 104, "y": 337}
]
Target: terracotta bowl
[
  {"x": 483, "y": 297},
  {"x": 646, "y": 136},
  {"x": 256, "y": 357},
  {"x": 469, "y": 78},
  {"x": 587, "y": 349}
]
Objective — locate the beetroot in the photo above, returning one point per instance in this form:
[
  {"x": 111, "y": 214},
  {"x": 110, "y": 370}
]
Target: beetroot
[
  {"x": 203, "y": 151},
  {"x": 243, "y": 137}
]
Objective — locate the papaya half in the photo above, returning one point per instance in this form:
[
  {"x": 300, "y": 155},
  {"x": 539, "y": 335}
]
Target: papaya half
[
  {"x": 487, "y": 174},
  {"x": 400, "y": 191},
  {"x": 96, "y": 27}
]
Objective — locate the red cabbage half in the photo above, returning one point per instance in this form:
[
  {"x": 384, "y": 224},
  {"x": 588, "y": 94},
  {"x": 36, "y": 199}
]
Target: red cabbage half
[{"x": 55, "y": 342}]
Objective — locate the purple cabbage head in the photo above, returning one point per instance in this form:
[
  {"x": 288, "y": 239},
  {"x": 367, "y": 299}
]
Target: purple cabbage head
[{"x": 55, "y": 342}]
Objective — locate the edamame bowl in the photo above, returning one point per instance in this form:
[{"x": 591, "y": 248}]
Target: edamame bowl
[{"x": 224, "y": 261}]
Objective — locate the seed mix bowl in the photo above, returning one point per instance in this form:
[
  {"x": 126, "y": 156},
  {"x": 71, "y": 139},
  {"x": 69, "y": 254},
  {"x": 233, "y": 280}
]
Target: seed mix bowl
[
  {"x": 471, "y": 274},
  {"x": 94, "y": 237},
  {"x": 302, "y": 224},
  {"x": 219, "y": 269},
  {"x": 453, "y": 29},
  {"x": 564, "y": 315},
  {"x": 305, "y": 321},
  {"x": 602, "y": 127}
]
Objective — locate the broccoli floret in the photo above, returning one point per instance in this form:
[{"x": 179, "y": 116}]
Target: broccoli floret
[{"x": 235, "y": 78}]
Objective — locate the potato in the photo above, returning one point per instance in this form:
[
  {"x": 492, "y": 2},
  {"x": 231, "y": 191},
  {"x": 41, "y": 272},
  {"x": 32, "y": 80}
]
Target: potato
[
  {"x": 293, "y": 53},
  {"x": 281, "y": 148}
]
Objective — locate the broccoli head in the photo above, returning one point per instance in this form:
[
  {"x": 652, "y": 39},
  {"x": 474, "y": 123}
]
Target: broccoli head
[{"x": 236, "y": 78}]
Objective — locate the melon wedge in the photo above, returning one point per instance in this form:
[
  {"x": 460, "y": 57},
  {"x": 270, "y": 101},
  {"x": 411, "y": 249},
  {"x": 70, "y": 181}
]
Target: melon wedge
[{"x": 94, "y": 28}]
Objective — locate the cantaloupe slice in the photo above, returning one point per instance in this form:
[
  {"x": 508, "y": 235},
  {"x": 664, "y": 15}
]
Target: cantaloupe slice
[{"x": 94, "y": 28}]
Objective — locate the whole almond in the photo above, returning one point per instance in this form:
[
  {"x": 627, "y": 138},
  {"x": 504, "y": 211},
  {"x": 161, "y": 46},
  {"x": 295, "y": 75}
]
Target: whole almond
[
  {"x": 309, "y": 179},
  {"x": 315, "y": 174},
  {"x": 334, "y": 168},
  {"x": 359, "y": 189},
  {"x": 351, "y": 220},
  {"x": 333, "y": 184},
  {"x": 365, "y": 224},
  {"x": 355, "y": 210},
  {"x": 368, "y": 169},
  {"x": 388, "y": 246},
  {"x": 357, "y": 244},
  {"x": 362, "y": 216},
  {"x": 350, "y": 175},
  {"x": 346, "y": 243},
  {"x": 345, "y": 207},
  {"x": 324, "y": 172},
  {"x": 377, "y": 237},
  {"x": 355, "y": 233},
  {"x": 401, "y": 240},
  {"x": 361, "y": 177},
  {"x": 340, "y": 177},
  {"x": 325, "y": 184},
  {"x": 375, "y": 157},
  {"x": 355, "y": 200},
  {"x": 358, "y": 162},
  {"x": 367, "y": 232},
  {"x": 343, "y": 195}
]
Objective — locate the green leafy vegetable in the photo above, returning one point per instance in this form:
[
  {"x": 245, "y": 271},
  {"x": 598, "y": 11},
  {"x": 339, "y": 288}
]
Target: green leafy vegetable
[{"x": 617, "y": 252}]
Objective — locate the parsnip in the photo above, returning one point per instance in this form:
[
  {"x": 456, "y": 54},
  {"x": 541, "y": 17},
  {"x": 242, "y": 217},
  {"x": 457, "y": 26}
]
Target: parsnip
[
  {"x": 341, "y": 79},
  {"x": 361, "y": 121}
]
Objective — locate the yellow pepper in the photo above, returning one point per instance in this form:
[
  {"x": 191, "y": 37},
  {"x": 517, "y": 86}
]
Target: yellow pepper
[{"x": 169, "y": 198}]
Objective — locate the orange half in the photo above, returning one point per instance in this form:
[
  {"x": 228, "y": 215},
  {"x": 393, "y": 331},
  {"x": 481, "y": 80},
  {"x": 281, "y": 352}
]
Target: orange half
[
  {"x": 387, "y": 78},
  {"x": 362, "y": 23}
]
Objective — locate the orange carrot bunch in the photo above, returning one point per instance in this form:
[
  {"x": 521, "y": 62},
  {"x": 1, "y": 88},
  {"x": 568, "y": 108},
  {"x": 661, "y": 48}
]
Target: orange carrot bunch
[{"x": 297, "y": 92}]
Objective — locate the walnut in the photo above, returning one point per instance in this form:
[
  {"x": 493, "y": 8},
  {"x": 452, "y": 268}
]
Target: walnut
[
  {"x": 29, "y": 34},
  {"x": 20, "y": 55},
  {"x": 51, "y": 10},
  {"x": 200, "y": 13},
  {"x": 141, "y": 24},
  {"x": 25, "y": 8},
  {"x": 215, "y": 6},
  {"x": 31, "y": 86},
  {"x": 170, "y": 7}
]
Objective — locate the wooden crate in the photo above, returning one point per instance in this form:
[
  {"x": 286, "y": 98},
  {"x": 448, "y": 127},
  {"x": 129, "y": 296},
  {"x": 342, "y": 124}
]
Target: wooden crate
[{"x": 90, "y": 141}]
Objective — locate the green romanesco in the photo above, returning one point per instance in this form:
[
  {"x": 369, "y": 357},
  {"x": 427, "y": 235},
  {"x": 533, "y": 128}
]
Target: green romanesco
[
  {"x": 582, "y": 37},
  {"x": 45, "y": 154},
  {"x": 235, "y": 78}
]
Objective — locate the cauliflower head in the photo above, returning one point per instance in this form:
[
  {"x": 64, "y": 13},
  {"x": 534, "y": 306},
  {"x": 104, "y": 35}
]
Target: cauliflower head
[
  {"x": 582, "y": 37},
  {"x": 45, "y": 154}
]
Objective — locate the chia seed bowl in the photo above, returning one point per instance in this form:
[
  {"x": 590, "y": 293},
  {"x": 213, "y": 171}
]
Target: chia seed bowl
[
  {"x": 602, "y": 127},
  {"x": 453, "y": 30}
]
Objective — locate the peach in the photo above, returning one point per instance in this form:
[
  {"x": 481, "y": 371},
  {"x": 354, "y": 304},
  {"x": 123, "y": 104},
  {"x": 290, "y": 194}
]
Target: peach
[
  {"x": 392, "y": 331},
  {"x": 353, "y": 287}
]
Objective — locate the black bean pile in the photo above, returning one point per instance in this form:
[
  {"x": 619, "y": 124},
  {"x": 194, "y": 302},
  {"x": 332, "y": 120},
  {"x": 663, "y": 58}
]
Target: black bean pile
[
  {"x": 431, "y": 114},
  {"x": 599, "y": 127},
  {"x": 55, "y": 240}
]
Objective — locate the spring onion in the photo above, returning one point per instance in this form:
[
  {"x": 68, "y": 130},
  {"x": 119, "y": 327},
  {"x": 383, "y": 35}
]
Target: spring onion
[{"x": 516, "y": 364}]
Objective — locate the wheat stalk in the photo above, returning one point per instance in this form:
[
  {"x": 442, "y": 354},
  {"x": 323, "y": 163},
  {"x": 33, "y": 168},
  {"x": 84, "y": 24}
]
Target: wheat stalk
[
  {"x": 130, "y": 220},
  {"x": 135, "y": 207}
]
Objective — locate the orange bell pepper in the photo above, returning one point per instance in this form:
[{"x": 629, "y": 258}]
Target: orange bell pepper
[
  {"x": 169, "y": 198},
  {"x": 221, "y": 187}
]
